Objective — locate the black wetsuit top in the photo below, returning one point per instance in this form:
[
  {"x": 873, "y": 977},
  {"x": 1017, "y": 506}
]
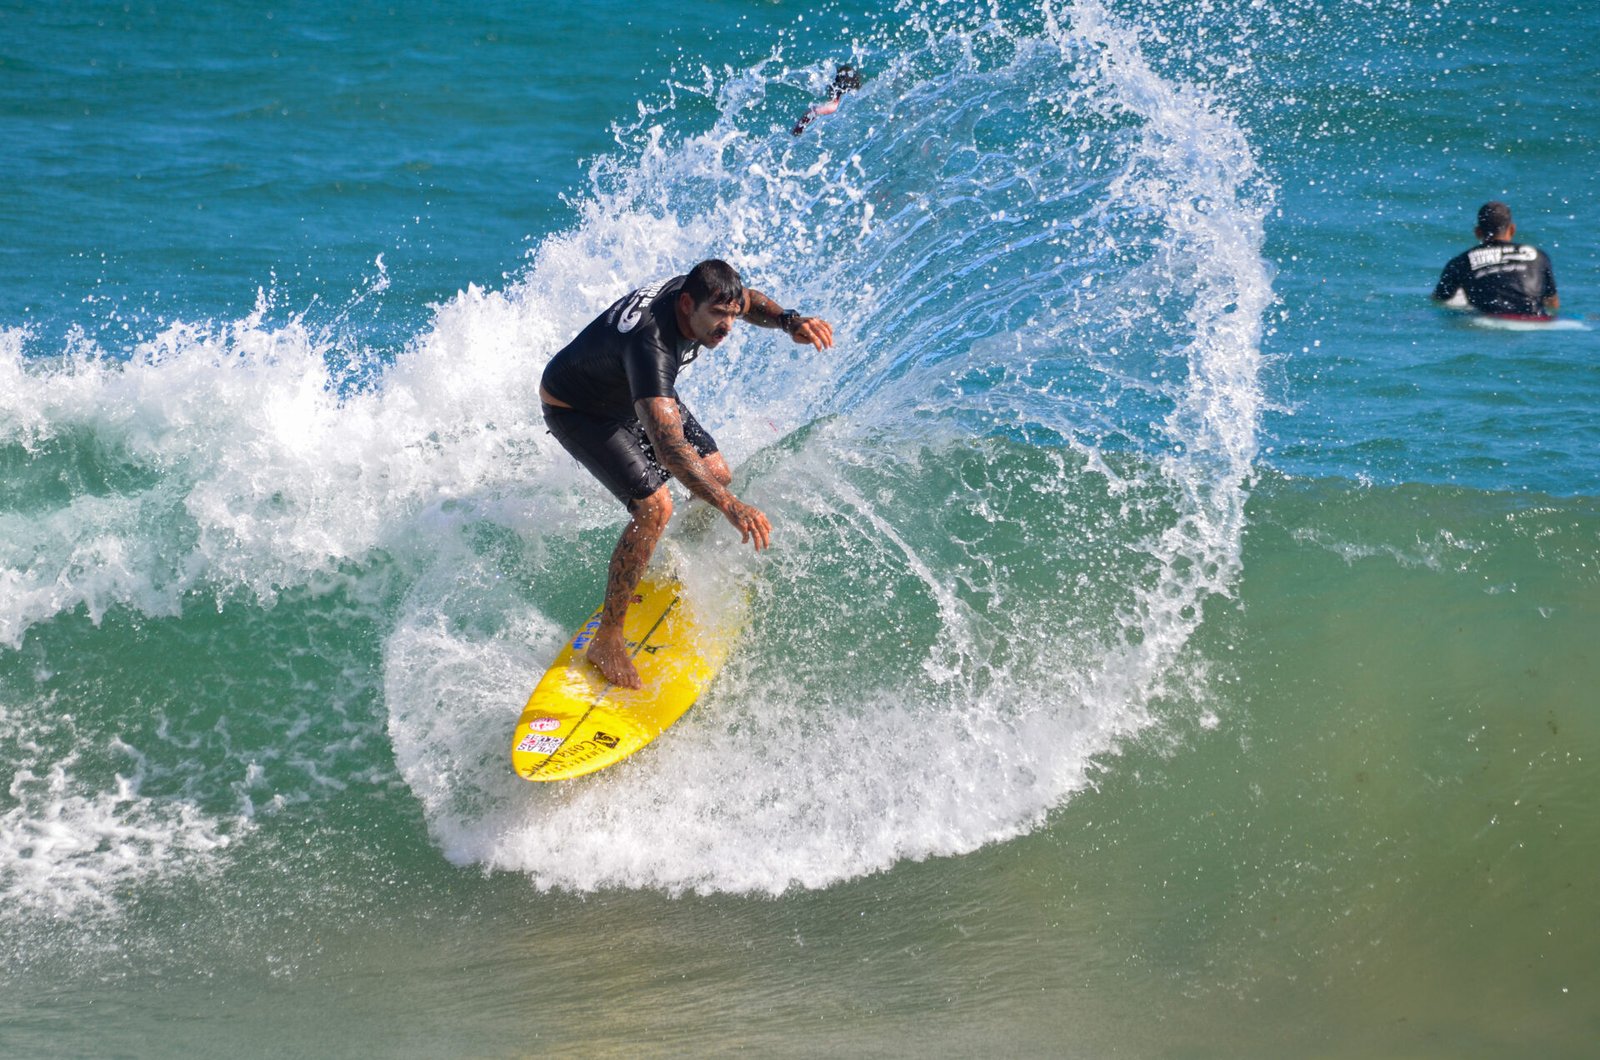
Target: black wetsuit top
[
  {"x": 1512, "y": 278},
  {"x": 632, "y": 351}
]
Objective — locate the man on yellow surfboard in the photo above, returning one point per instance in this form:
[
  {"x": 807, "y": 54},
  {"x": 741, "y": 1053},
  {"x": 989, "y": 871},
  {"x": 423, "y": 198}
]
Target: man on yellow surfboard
[{"x": 610, "y": 399}]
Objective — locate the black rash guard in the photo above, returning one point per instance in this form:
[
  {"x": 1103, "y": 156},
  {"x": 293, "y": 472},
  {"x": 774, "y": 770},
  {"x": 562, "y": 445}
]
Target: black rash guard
[
  {"x": 632, "y": 351},
  {"x": 1510, "y": 278}
]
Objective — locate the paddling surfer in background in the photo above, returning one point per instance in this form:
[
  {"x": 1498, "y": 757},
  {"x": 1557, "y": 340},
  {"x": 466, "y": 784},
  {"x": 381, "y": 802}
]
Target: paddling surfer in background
[
  {"x": 1498, "y": 275},
  {"x": 609, "y": 397}
]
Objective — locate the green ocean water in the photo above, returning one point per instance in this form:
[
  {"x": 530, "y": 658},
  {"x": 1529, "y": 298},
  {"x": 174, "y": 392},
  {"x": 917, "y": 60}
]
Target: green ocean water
[
  {"x": 1180, "y": 635},
  {"x": 1335, "y": 851}
]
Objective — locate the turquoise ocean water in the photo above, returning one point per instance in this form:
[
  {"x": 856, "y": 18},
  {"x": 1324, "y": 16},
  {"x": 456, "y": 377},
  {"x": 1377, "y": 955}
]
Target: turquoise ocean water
[{"x": 1180, "y": 638}]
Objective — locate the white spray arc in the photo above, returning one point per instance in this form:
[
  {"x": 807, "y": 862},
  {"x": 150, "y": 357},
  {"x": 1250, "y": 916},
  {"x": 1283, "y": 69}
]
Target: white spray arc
[
  {"x": 1047, "y": 330},
  {"x": 1043, "y": 261}
]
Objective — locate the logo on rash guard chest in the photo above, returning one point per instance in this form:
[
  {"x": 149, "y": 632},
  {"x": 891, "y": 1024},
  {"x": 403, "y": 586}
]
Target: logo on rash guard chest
[{"x": 632, "y": 311}]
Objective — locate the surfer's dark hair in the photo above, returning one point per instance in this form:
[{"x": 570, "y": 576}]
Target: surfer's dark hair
[
  {"x": 714, "y": 281},
  {"x": 1493, "y": 218}
]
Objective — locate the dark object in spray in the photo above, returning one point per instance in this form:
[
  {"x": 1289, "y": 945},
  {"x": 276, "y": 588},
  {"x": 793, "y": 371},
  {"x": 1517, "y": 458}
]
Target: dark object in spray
[{"x": 846, "y": 80}]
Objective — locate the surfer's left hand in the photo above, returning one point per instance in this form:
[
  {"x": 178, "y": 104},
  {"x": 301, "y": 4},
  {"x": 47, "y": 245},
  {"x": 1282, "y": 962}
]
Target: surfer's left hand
[{"x": 815, "y": 330}]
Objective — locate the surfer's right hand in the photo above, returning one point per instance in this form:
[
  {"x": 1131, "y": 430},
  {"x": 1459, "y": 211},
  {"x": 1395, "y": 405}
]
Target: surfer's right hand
[{"x": 750, "y": 522}]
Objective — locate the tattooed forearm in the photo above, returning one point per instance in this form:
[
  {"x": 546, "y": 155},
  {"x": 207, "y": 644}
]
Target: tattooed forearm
[
  {"x": 665, "y": 426},
  {"x": 760, "y": 310}
]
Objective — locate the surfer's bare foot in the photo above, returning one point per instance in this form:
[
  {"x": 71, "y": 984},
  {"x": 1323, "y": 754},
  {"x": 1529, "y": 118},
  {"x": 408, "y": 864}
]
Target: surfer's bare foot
[{"x": 610, "y": 656}]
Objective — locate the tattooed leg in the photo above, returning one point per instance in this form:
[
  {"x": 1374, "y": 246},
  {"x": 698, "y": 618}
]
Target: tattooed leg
[{"x": 609, "y": 651}]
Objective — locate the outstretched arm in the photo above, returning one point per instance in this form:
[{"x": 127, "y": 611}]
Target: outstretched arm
[
  {"x": 664, "y": 424},
  {"x": 763, "y": 312}
]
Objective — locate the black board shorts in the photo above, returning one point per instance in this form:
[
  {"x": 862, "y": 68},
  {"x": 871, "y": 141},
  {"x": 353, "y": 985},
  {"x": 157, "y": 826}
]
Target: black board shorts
[{"x": 618, "y": 452}]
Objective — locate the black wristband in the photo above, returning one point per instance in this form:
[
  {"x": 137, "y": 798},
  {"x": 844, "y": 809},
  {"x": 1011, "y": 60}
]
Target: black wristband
[{"x": 789, "y": 319}]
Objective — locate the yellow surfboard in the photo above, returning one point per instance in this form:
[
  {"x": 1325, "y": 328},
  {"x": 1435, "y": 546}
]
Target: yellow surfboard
[{"x": 577, "y": 722}]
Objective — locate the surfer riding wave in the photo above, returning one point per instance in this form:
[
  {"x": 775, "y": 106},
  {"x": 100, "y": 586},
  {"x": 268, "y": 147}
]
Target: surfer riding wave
[{"x": 610, "y": 398}]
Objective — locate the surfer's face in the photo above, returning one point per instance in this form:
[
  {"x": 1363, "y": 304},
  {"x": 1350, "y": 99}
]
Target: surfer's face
[{"x": 710, "y": 323}]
